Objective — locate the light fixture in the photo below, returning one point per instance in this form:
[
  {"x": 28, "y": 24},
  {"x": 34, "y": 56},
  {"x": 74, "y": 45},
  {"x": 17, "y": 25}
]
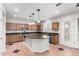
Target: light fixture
[
  {"x": 30, "y": 17},
  {"x": 38, "y": 10},
  {"x": 58, "y": 4},
  {"x": 14, "y": 15},
  {"x": 16, "y": 9},
  {"x": 38, "y": 21},
  {"x": 33, "y": 23},
  {"x": 33, "y": 15},
  {"x": 66, "y": 25},
  {"x": 56, "y": 12},
  {"x": 77, "y": 5}
]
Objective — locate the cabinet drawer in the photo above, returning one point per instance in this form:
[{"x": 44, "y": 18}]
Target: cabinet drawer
[
  {"x": 55, "y": 39},
  {"x": 14, "y": 38}
]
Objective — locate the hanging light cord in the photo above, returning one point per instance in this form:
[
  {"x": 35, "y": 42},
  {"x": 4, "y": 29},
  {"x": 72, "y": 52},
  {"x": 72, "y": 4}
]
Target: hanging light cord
[{"x": 38, "y": 13}]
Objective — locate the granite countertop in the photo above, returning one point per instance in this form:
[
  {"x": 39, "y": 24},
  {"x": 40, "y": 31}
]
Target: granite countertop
[
  {"x": 19, "y": 31},
  {"x": 30, "y": 31}
]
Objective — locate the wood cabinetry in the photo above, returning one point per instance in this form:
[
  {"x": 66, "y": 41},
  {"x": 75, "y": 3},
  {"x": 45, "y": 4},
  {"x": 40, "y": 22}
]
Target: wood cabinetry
[
  {"x": 11, "y": 38},
  {"x": 11, "y": 26},
  {"x": 36, "y": 27},
  {"x": 20, "y": 26},
  {"x": 7, "y": 38},
  {"x": 55, "y": 38},
  {"x": 14, "y": 26},
  {"x": 26, "y": 26},
  {"x": 55, "y": 26},
  {"x": 17, "y": 26}
]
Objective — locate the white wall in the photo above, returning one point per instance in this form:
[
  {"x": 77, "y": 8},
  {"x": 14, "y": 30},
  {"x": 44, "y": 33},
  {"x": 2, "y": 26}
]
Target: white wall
[
  {"x": 47, "y": 25},
  {"x": 73, "y": 19},
  {"x": 17, "y": 21},
  {"x": 2, "y": 29}
]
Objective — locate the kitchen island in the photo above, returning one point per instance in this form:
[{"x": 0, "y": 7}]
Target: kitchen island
[{"x": 36, "y": 41}]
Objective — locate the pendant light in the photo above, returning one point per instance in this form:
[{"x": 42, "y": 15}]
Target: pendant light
[
  {"x": 33, "y": 16},
  {"x": 30, "y": 19},
  {"x": 33, "y": 22},
  {"x": 38, "y": 10}
]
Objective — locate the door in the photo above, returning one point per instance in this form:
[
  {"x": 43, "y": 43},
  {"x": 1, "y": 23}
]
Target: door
[
  {"x": 76, "y": 33},
  {"x": 2, "y": 29},
  {"x": 67, "y": 32}
]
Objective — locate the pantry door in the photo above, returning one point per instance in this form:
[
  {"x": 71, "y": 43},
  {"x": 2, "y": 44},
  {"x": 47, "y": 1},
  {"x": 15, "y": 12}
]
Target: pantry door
[
  {"x": 2, "y": 29},
  {"x": 67, "y": 32}
]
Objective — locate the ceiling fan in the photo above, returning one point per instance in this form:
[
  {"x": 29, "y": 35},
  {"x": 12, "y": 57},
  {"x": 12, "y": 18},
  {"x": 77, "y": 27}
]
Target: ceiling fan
[
  {"x": 77, "y": 5},
  {"x": 58, "y": 4}
]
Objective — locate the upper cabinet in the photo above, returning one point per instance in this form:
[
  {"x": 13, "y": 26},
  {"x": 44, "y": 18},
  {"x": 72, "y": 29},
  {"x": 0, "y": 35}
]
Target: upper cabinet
[
  {"x": 11, "y": 26},
  {"x": 36, "y": 27},
  {"x": 14, "y": 26},
  {"x": 55, "y": 26},
  {"x": 20, "y": 26}
]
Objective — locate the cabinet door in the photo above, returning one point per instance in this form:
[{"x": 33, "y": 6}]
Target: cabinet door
[
  {"x": 7, "y": 26},
  {"x": 76, "y": 33},
  {"x": 19, "y": 38},
  {"x": 39, "y": 27},
  {"x": 67, "y": 32},
  {"x": 12, "y": 38},
  {"x": 11, "y": 26},
  {"x": 7, "y": 38},
  {"x": 15, "y": 38},
  {"x": 55, "y": 39},
  {"x": 55, "y": 25},
  {"x": 34, "y": 27},
  {"x": 20, "y": 26},
  {"x": 26, "y": 26}
]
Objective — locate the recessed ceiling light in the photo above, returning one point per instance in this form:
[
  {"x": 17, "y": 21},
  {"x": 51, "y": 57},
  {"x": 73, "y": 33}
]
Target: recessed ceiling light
[
  {"x": 33, "y": 23},
  {"x": 66, "y": 26},
  {"x": 16, "y": 9},
  {"x": 56, "y": 12},
  {"x": 14, "y": 15},
  {"x": 38, "y": 21}
]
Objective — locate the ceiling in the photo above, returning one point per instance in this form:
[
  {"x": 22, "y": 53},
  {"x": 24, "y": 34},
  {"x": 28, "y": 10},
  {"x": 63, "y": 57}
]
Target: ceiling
[{"x": 47, "y": 10}]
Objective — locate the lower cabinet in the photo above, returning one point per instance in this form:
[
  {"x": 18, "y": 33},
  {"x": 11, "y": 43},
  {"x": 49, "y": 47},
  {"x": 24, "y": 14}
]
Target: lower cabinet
[
  {"x": 55, "y": 39},
  {"x": 11, "y": 38}
]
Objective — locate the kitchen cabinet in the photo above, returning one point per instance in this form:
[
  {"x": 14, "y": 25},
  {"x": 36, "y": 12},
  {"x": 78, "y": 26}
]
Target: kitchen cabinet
[
  {"x": 7, "y": 38},
  {"x": 26, "y": 26},
  {"x": 55, "y": 38},
  {"x": 14, "y": 26},
  {"x": 11, "y": 38},
  {"x": 36, "y": 27},
  {"x": 39, "y": 27},
  {"x": 11, "y": 26},
  {"x": 55, "y": 26},
  {"x": 20, "y": 26}
]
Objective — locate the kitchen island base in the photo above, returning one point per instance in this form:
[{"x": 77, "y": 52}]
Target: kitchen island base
[{"x": 37, "y": 45}]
